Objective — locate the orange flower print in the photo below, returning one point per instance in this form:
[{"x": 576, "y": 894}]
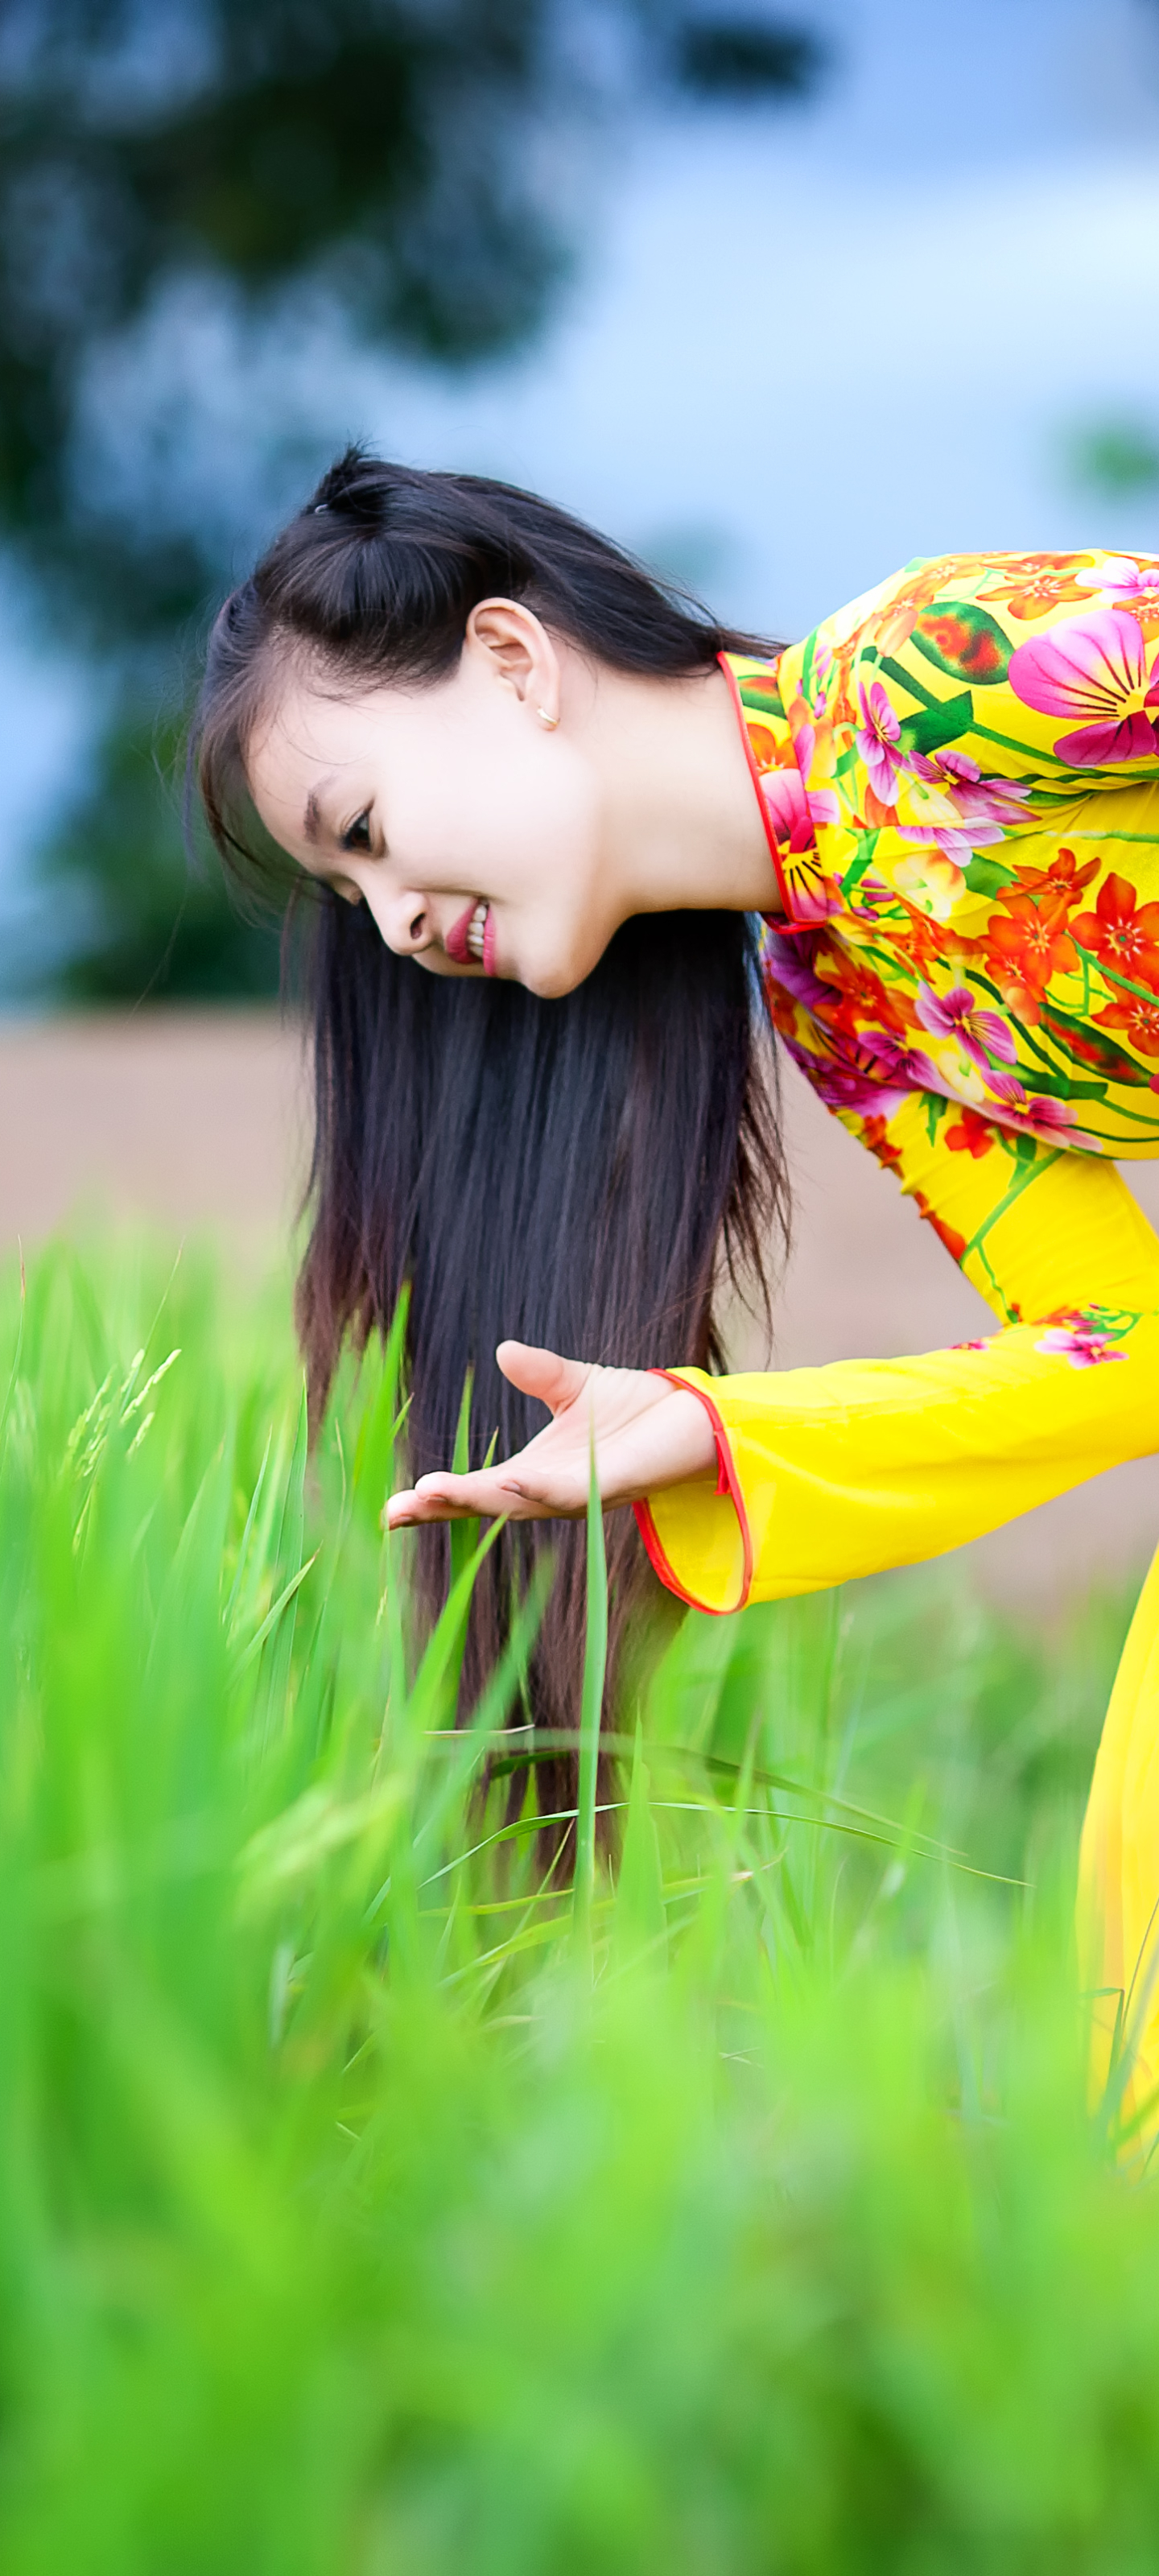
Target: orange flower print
[
  {"x": 954, "y": 1242},
  {"x": 764, "y": 744},
  {"x": 1026, "y": 947},
  {"x": 876, "y": 1134},
  {"x": 1138, "y": 1019},
  {"x": 1040, "y": 582},
  {"x": 929, "y": 942},
  {"x": 860, "y": 995},
  {"x": 970, "y": 1135},
  {"x": 1119, "y": 935},
  {"x": 897, "y": 621},
  {"x": 1059, "y": 884}
]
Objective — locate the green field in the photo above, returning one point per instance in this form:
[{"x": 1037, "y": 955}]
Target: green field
[{"x": 367, "y": 2205}]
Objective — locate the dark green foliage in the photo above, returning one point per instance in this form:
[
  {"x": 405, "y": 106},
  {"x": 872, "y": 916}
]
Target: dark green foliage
[
  {"x": 376, "y": 155},
  {"x": 155, "y": 927},
  {"x": 743, "y": 58},
  {"x": 1117, "y": 458},
  {"x": 386, "y": 163},
  {"x": 386, "y": 152},
  {"x": 378, "y": 144}
]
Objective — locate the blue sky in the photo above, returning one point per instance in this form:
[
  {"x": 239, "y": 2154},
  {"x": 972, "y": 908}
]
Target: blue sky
[
  {"x": 813, "y": 343},
  {"x": 804, "y": 343}
]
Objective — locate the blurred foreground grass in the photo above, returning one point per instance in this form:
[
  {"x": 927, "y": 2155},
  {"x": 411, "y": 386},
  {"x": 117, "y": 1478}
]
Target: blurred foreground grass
[{"x": 361, "y": 2208}]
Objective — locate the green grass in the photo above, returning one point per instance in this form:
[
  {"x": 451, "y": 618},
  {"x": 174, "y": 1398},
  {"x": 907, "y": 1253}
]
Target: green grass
[{"x": 366, "y": 2205}]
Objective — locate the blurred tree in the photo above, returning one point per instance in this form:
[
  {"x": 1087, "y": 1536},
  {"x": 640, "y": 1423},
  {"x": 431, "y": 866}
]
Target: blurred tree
[
  {"x": 153, "y": 927},
  {"x": 746, "y": 58},
  {"x": 1118, "y": 458},
  {"x": 378, "y": 151},
  {"x": 382, "y": 165}
]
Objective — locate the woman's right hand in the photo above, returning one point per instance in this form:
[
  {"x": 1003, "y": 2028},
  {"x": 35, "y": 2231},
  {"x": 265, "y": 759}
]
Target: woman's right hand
[{"x": 648, "y": 1434}]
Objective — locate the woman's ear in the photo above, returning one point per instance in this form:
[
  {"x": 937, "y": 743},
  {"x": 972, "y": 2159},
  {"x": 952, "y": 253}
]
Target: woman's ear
[{"x": 517, "y": 646}]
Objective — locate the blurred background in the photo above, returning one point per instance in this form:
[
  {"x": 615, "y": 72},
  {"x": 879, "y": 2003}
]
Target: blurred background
[{"x": 778, "y": 296}]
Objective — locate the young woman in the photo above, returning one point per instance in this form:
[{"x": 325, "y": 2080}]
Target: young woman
[{"x": 558, "y": 824}]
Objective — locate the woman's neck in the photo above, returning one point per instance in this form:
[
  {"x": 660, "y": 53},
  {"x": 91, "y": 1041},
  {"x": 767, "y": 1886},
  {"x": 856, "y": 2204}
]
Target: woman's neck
[{"x": 682, "y": 823}]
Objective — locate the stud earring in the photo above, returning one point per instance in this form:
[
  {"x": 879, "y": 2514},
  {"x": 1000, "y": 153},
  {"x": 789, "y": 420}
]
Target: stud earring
[{"x": 544, "y": 718}]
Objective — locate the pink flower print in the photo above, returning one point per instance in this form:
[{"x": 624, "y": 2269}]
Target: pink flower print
[
  {"x": 822, "y": 665},
  {"x": 870, "y": 1073},
  {"x": 877, "y": 738},
  {"x": 987, "y": 806},
  {"x": 1007, "y": 1091},
  {"x": 906, "y": 1068},
  {"x": 979, "y": 1034},
  {"x": 840, "y": 1086},
  {"x": 840, "y": 1082},
  {"x": 1046, "y": 1117},
  {"x": 1007, "y": 1102},
  {"x": 789, "y": 814},
  {"x": 795, "y": 812},
  {"x": 785, "y": 966},
  {"x": 1094, "y": 668},
  {"x": 813, "y": 747},
  {"x": 1042, "y": 1116},
  {"x": 945, "y": 800},
  {"x": 1081, "y": 1340},
  {"x": 1122, "y": 578}
]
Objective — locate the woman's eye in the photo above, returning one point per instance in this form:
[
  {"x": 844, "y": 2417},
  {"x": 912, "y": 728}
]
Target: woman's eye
[{"x": 357, "y": 834}]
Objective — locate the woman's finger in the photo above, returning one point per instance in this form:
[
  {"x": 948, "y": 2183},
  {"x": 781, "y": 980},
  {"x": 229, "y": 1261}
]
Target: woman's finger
[
  {"x": 442, "y": 1498},
  {"x": 403, "y": 1511},
  {"x": 555, "y": 1381},
  {"x": 489, "y": 1495}
]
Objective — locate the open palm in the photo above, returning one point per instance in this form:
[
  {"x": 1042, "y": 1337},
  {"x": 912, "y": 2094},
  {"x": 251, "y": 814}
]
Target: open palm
[{"x": 647, "y": 1432}]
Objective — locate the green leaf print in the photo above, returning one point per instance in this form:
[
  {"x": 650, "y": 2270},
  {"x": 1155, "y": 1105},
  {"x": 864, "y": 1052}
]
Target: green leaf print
[
  {"x": 987, "y": 876},
  {"x": 763, "y": 696},
  {"x": 942, "y": 722},
  {"x": 1086, "y": 1045},
  {"x": 864, "y": 859},
  {"x": 962, "y": 640}
]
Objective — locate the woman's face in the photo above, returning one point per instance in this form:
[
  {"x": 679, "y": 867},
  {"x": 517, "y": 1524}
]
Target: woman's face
[{"x": 464, "y": 814}]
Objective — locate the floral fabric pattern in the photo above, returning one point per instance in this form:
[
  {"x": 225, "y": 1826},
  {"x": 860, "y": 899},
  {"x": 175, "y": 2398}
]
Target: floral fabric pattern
[
  {"x": 959, "y": 777},
  {"x": 1086, "y": 1335},
  {"x": 960, "y": 782}
]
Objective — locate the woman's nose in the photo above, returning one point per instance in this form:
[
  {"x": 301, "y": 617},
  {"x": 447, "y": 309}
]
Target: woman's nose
[{"x": 403, "y": 919}]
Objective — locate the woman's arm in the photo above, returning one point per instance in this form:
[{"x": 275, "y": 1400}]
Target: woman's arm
[
  {"x": 761, "y": 1485},
  {"x": 844, "y": 1470}
]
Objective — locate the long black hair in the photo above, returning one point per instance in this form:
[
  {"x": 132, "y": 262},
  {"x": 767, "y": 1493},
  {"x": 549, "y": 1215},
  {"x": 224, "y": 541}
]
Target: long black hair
[{"x": 583, "y": 1173}]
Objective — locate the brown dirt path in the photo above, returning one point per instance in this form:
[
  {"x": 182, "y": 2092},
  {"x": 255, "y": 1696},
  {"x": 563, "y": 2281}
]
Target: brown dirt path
[{"x": 197, "y": 1121}]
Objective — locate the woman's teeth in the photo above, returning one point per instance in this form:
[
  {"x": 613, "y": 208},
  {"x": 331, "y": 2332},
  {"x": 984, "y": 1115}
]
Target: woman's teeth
[{"x": 475, "y": 930}]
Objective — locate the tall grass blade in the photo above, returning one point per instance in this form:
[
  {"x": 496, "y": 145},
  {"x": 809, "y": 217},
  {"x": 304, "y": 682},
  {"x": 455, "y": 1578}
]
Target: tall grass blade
[
  {"x": 591, "y": 1706},
  {"x": 343, "y": 2224}
]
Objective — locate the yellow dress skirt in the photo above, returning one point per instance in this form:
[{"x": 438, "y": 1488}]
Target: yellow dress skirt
[{"x": 959, "y": 777}]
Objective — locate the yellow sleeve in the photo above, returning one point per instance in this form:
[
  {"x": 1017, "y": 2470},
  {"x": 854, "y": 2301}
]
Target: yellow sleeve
[{"x": 831, "y": 1472}]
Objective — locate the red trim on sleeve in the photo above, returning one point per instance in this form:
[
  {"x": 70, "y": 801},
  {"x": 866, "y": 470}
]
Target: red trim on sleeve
[
  {"x": 755, "y": 775},
  {"x": 728, "y": 1482}
]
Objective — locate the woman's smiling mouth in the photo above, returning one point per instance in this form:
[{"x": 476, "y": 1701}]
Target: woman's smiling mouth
[{"x": 470, "y": 940}]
